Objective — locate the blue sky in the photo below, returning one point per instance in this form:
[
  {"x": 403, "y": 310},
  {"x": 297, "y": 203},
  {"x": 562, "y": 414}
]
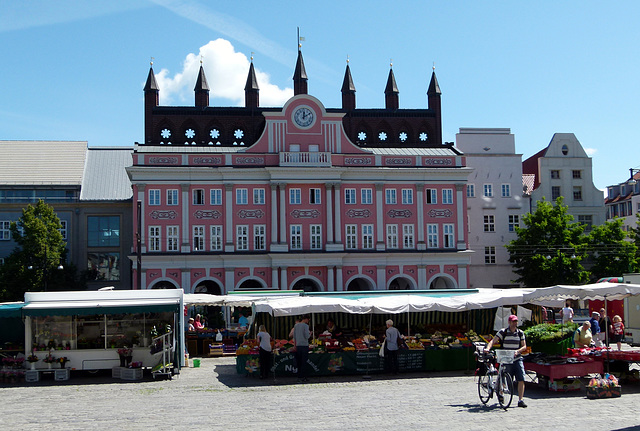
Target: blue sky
[{"x": 74, "y": 70}]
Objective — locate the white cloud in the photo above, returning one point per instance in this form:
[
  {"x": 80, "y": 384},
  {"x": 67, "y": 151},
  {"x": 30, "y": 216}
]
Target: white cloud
[
  {"x": 590, "y": 151},
  {"x": 226, "y": 71}
]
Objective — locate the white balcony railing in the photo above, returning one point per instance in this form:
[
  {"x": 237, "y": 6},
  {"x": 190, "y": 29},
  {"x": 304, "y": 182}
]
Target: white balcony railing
[{"x": 313, "y": 158}]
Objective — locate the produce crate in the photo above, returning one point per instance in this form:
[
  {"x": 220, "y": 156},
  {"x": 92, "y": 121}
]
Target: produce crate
[
  {"x": 553, "y": 348},
  {"x": 116, "y": 372},
  {"x": 564, "y": 385},
  {"x": 597, "y": 392},
  {"x": 31, "y": 376},
  {"x": 215, "y": 349},
  {"x": 62, "y": 374},
  {"x": 131, "y": 374}
]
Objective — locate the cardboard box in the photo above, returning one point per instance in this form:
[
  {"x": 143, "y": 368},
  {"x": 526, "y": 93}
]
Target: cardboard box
[
  {"x": 596, "y": 392},
  {"x": 564, "y": 385}
]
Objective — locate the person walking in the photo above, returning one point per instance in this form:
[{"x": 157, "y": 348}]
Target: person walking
[
  {"x": 264, "y": 340},
  {"x": 301, "y": 336}
]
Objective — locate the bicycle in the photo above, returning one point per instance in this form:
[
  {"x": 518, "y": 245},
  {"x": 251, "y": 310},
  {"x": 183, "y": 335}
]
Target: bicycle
[{"x": 495, "y": 379}]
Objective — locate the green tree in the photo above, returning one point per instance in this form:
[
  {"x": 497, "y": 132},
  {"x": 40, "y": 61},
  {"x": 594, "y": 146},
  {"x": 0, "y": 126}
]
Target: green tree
[
  {"x": 610, "y": 251},
  {"x": 37, "y": 263},
  {"x": 549, "y": 249},
  {"x": 634, "y": 234}
]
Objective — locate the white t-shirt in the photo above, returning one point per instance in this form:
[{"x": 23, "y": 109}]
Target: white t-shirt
[
  {"x": 265, "y": 341},
  {"x": 567, "y": 314}
]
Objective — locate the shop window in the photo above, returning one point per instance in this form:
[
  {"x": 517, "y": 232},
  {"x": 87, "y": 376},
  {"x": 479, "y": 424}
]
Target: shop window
[{"x": 103, "y": 266}]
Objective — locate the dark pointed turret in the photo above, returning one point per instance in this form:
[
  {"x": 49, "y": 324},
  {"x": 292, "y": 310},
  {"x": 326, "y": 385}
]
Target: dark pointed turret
[
  {"x": 202, "y": 89},
  {"x": 391, "y": 99},
  {"x": 251, "y": 90},
  {"x": 299, "y": 76},
  {"x": 348, "y": 91},
  {"x": 151, "y": 100},
  {"x": 433, "y": 97}
]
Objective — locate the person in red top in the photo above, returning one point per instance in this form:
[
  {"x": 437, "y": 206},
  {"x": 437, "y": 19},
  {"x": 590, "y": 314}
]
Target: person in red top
[
  {"x": 618, "y": 331},
  {"x": 198, "y": 323}
]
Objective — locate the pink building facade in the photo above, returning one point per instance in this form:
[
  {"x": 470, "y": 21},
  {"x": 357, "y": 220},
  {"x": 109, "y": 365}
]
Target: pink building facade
[{"x": 298, "y": 197}]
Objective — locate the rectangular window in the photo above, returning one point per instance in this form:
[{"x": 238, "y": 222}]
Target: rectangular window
[
  {"x": 259, "y": 237},
  {"x": 295, "y": 196},
  {"x": 392, "y": 236},
  {"x": 577, "y": 193},
  {"x": 242, "y": 196},
  {"x": 390, "y": 196},
  {"x": 63, "y": 229},
  {"x": 555, "y": 175},
  {"x": 258, "y": 196},
  {"x": 315, "y": 196},
  {"x": 351, "y": 236},
  {"x": 154, "y": 197},
  {"x": 5, "y": 233},
  {"x": 432, "y": 235},
  {"x": 490, "y": 255},
  {"x": 506, "y": 190},
  {"x": 514, "y": 221},
  {"x": 576, "y": 174},
  {"x": 103, "y": 266},
  {"x": 489, "y": 223},
  {"x": 242, "y": 237},
  {"x": 154, "y": 238},
  {"x": 216, "y": 238},
  {"x": 447, "y": 196},
  {"x": 173, "y": 238},
  {"x": 173, "y": 197},
  {"x": 447, "y": 236},
  {"x": 366, "y": 196},
  {"x": 471, "y": 191},
  {"x": 432, "y": 196},
  {"x": 103, "y": 231},
  {"x": 198, "y": 238},
  {"x": 586, "y": 220},
  {"x": 296, "y": 236},
  {"x": 316, "y": 237},
  {"x": 555, "y": 192},
  {"x": 350, "y": 196},
  {"x": 216, "y": 196},
  {"x": 407, "y": 236},
  {"x": 198, "y": 196},
  {"x": 367, "y": 236},
  {"x": 488, "y": 190},
  {"x": 407, "y": 197}
]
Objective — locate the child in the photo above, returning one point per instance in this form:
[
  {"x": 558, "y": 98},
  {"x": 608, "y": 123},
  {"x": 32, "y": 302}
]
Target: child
[{"x": 618, "y": 331}]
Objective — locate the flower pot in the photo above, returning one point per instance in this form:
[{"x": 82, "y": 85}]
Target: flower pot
[
  {"x": 33, "y": 365},
  {"x": 128, "y": 360},
  {"x": 49, "y": 365},
  {"x": 122, "y": 361}
]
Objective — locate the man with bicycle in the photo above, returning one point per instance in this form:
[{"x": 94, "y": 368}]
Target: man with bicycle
[{"x": 512, "y": 338}]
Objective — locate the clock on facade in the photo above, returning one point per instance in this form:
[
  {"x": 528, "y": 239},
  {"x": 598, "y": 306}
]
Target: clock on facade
[{"x": 303, "y": 117}]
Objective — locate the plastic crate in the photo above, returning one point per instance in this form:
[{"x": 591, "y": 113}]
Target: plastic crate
[
  {"x": 116, "y": 372},
  {"x": 505, "y": 356},
  {"x": 31, "y": 376},
  {"x": 131, "y": 374},
  {"x": 60, "y": 375}
]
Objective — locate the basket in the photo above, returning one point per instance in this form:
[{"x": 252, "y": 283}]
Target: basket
[{"x": 505, "y": 356}]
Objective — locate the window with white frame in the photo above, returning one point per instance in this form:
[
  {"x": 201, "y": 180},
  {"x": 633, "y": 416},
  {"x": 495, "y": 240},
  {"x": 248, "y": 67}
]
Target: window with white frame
[
  {"x": 316, "y": 237},
  {"x": 488, "y": 190},
  {"x": 407, "y": 236},
  {"x": 392, "y": 236},
  {"x": 432, "y": 235},
  {"x": 366, "y": 196},
  {"x": 295, "y": 234},
  {"x": 198, "y": 196},
  {"x": 367, "y": 236},
  {"x": 407, "y": 196},
  {"x": 216, "y": 196},
  {"x": 431, "y": 196},
  {"x": 351, "y": 236},
  {"x": 5, "y": 232},
  {"x": 350, "y": 196},
  {"x": 216, "y": 237},
  {"x": 315, "y": 196},
  {"x": 505, "y": 190},
  {"x": 490, "y": 255},
  {"x": 391, "y": 197},
  {"x": 173, "y": 238},
  {"x": 173, "y": 197},
  {"x": 448, "y": 237},
  {"x": 154, "y": 238},
  {"x": 259, "y": 237},
  {"x": 295, "y": 197},
  {"x": 471, "y": 191},
  {"x": 242, "y": 196},
  {"x": 489, "y": 223},
  {"x": 258, "y": 196},
  {"x": 198, "y": 238},
  {"x": 242, "y": 237},
  {"x": 514, "y": 221},
  {"x": 447, "y": 196},
  {"x": 63, "y": 229},
  {"x": 154, "y": 197}
]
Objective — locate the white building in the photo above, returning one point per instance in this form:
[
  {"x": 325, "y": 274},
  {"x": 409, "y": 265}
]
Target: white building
[
  {"x": 495, "y": 202},
  {"x": 623, "y": 200}
]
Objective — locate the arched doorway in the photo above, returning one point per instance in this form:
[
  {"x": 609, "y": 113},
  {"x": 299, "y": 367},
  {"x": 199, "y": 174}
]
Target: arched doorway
[
  {"x": 164, "y": 284},
  {"x": 400, "y": 283},
  {"x": 358, "y": 284},
  {"x": 251, "y": 284},
  {"x": 442, "y": 283},
  {"x": 213, "y": 316},
  {"x": 306, "y": 284},
  {"x": 208, "y": 286}
]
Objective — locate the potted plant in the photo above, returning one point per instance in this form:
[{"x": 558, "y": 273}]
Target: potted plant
[
  {"x": 32, "y": 359},
  {"x": 49, "y": 359},
  {"x": 62, "y": 360},
  {"x": 126, "y": 355}
]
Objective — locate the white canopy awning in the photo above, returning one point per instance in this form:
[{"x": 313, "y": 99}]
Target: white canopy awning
[{"x": 557, "y": 295}]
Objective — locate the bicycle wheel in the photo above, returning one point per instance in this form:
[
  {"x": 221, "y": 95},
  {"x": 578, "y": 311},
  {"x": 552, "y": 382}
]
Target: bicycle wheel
[
  {"x": 506, "y": 387},
  {"x": 484, "y": 387}
]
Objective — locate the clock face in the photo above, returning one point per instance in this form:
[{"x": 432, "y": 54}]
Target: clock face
[{"x": 303, "y": 117}]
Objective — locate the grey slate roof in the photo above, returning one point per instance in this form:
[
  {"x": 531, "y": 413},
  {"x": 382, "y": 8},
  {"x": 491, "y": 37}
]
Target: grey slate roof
[
  {"x": 43, "y": 163},
  {"x": 105, "y": 175}
]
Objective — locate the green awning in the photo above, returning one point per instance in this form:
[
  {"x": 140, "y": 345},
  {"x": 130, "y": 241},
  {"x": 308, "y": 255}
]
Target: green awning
[
  {"x": 11, "y": 309},
  {"x": 92, "y": 307}
]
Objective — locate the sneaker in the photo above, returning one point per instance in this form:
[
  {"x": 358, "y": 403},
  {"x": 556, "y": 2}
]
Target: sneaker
[{"x": 522, "y": 404}]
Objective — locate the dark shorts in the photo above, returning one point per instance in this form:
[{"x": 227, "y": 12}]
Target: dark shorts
[
  {"x": 615, "y": 338},
  {"x": 516, "y": 369}
]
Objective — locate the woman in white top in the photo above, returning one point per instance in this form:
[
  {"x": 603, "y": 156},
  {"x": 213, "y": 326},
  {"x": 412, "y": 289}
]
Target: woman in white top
[
  {"x": 264, "y": 339},
  {"x": 567, "y": 313}
]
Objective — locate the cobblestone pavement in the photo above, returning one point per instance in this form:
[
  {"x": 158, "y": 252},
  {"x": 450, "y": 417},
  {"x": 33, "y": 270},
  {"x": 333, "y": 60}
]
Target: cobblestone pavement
[{"x": 215, "y": 397}]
